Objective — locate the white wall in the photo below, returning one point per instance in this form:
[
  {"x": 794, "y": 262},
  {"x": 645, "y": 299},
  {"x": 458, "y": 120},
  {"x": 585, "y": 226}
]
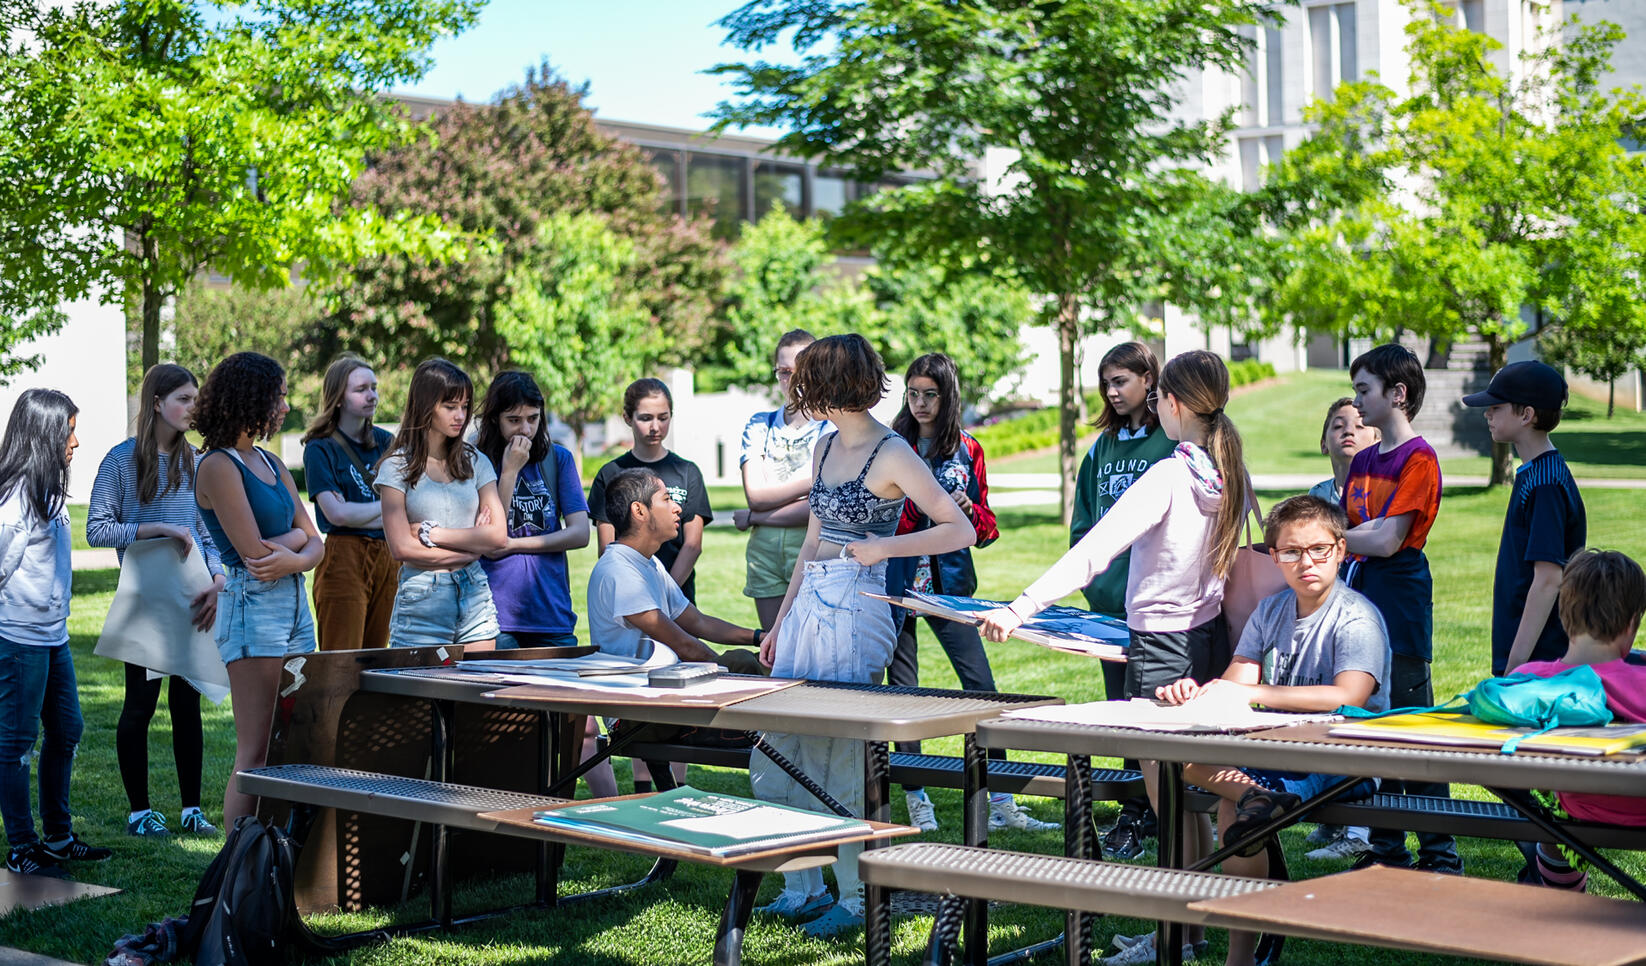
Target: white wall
[{"x": 86, "y": 358}]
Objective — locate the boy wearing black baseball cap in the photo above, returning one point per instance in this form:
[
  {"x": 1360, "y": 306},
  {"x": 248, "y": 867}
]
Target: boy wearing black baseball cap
[{"x": 1545, "y": 524}]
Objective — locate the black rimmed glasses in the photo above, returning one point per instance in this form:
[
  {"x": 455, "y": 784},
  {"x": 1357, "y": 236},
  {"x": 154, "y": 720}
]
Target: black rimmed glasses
[{"x": 1319, "y": 553}]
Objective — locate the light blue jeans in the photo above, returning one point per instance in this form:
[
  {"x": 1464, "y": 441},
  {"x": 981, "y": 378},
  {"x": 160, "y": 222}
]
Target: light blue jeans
[
  {"x": 434, "y": 607},
  {"x": 262, "y": 618}
]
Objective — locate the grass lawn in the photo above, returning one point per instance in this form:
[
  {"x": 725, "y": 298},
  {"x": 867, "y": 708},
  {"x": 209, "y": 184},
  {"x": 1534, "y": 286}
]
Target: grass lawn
[{"x": 676, "y": 922}]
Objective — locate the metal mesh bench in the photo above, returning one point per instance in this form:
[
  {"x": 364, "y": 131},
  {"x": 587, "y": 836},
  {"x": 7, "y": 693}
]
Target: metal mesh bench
[{"x": 413, "y": 799}]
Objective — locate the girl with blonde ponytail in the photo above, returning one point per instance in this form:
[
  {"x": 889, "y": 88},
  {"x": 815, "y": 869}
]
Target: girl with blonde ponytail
[{"x": 1182, "y": 520}]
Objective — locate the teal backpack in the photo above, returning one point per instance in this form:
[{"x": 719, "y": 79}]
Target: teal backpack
[{"x": 1571, "y": 699}]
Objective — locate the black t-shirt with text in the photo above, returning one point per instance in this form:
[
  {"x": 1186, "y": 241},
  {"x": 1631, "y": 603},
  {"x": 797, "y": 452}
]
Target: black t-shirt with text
[{"x": 685, "y": 483}]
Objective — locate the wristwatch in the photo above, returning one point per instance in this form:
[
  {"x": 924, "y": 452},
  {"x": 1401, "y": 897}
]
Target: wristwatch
[
  {"x": 759, "y": 635},
  {"x": 425, "y": 533}
]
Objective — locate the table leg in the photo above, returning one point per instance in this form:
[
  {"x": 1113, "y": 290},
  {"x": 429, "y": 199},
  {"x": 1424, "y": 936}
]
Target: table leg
[
  {"x": 550, "y": 855},
  {"x": 975, "y": 831},
  {"x": 1079, "y": 842},
  {"x": 1169, "y": 792},
  {"x": 877, "y": 807},
  {"x": 1523, "y": 803},
  {"x": 440, "y": 768},
  {"x": 728, "y": 941}
]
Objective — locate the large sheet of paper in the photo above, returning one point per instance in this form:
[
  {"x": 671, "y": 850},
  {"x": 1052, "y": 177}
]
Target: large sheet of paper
[
  {"x": 1059, "y": 628},
  {"x": 1200, "y": 715},
  {"x": 150, "y": 623}
]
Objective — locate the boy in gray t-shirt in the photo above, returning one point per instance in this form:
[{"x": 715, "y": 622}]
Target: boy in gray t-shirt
[{"x": 1316, "y": 646}]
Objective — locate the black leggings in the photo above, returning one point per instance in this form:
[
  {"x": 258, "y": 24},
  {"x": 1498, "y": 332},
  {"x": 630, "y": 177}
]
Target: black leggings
[{"x": 131, "y": 736}]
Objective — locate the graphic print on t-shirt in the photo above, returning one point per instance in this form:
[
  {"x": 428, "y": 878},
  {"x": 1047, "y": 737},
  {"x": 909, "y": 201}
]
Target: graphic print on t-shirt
[
  {"x": 1118, "y": 476},
  {"x": 532, "y": 509}
]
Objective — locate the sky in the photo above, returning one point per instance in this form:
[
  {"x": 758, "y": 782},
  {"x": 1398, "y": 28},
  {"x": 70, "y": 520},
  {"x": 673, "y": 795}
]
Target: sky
[{"x": 642, "y": 58}]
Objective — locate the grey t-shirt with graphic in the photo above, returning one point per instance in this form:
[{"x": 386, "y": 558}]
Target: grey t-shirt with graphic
[{"x": 1345, "y": 634}]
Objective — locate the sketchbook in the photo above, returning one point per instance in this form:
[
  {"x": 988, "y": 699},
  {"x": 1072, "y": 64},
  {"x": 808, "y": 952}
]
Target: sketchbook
[
  {"x": 1060, "y": 628},
  {"x": 1467, "y": 731},
  {"x": 706, "y": 823},
  {"x": 1144, "y": 714}
]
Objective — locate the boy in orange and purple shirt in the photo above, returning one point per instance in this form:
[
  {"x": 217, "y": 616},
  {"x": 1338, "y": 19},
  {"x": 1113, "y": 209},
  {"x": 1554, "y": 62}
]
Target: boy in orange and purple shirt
[{"x": 1392, "y": 496}]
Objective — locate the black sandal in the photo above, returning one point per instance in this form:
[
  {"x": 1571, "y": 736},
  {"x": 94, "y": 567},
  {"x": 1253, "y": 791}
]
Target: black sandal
[{"x": 1257, "y": 807}]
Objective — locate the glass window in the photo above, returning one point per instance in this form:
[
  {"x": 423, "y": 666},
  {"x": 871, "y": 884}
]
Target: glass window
[
  {"x": 829, "y": 194},
  {"x": 781, "y": 183},
  {"x": 1332, "y": 40},
  {"x": 1251, "y": 162},
  {"x": 1348, "y": 56},
  {"x": 667, "y": 164},
  {"x": 714, "y": 190},
  {"x": 1249, "y": 78},
  {"x": 1275, "y": 91}
]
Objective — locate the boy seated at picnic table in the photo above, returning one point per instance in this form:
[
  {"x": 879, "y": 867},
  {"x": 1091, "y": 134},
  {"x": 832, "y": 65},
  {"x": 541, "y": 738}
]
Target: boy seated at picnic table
[
  {"x": 1315, "y": 646},
  {"x": 1602, "y": 598}
]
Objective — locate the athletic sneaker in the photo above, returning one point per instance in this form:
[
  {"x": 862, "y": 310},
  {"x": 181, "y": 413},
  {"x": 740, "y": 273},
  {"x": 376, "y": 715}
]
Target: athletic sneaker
[
  {"x": 195, "y": 822},
  {"x": 1006, "y": 813},
  {"x": 1141, "y": 951},
  {"x": 1125, "y": 840},
  {"x": 839, "y": 919},
  {"x": 32, "y": 859},
  {"x": 150, "y": 822},
  {"x": 77, "y": 849},
  {"x": 797, "y": 906},
  {"x": 1342, "y": 847},
  {"x": 1324, "y": 835},
  {"x": 922, "y": 813}
]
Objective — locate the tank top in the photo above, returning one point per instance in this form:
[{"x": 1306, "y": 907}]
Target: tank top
[
  {"x": 271, "y": 507},
  {"x": 851, "y": 511}
]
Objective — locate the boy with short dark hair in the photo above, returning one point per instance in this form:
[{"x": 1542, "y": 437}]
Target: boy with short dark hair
[
  {"x": 1392, "y": 497},
  {"x": 1545, "y": 523},
  {"x": 1342, "y": 435},
  {"x": 1315, "y": 646}
]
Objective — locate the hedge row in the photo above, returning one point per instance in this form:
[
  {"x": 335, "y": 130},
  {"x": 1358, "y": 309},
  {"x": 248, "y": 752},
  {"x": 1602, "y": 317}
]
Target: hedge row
[{"x": 1037, "y": 429}]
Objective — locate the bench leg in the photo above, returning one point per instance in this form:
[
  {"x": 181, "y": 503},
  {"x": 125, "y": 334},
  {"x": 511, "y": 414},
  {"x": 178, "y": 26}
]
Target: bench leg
[
  {"x": 1079, "y": 841},
  {"x": 951, "y": 912},
  {"x": 974, "y": 767},
  {"x": 1169, "y": 935},
  {"x": 877, "y": 925},
  {"x": 728, "y": 941}
]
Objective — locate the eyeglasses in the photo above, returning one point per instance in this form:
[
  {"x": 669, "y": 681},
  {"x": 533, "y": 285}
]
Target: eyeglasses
[
  {"x": 929, "y": 395},
  {"x": 783, "y": 372},
  {"x": 1319, "y": 553},
  {"x": 1152, "y": 400}
]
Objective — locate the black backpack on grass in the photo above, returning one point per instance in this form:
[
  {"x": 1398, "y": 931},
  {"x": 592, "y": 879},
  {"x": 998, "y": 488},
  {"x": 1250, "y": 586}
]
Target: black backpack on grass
[{"x": 245, "y": 910}]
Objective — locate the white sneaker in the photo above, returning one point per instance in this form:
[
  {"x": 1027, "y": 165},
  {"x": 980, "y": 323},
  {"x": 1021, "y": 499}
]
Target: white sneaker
[
  {"x": 1323, "y": 834},
  {"x": 1342, "y": 847},
  {"x": 1141, "y": 951},
  {"x": 792, "y": 904},
  {"x": 922, "y": 813},
  {"x": 1126, "y": 942},
  {"x": 1008, "y": 814}
]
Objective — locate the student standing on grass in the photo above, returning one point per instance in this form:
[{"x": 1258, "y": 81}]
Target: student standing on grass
[
  {"x": 355, "y": 582},
  {"x": 1182, "y": 520},
  {"x": 648, "y": 408},
  {"x": 1602, "y": 596},
  {"x": 440, "y": 513},
  {"x": 1392, "y": 497},
  {"x": 1315, "y": 646},
  {"x": 1129, "y": 441},
  {"x": 826, "y": 629},
  {"x": 930, "y": 422},
  {"x": 1545, "y": 523},
  {"x": 144, "y": 490},
  {"x": 266, "y": 541},
  {"x": 546, "y": 516},
  {"x": 775, "y": 461},
  {"x": 1343, "y": 435},
  {"x": 37, "y": 687}
]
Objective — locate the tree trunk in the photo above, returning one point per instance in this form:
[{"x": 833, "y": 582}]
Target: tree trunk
[
  {"x": 1502, "y": 453},
  {"x": 1611, "y": 397},
  {"x": 153, "y": 298},
  {"x": 1068, "y": 339}
]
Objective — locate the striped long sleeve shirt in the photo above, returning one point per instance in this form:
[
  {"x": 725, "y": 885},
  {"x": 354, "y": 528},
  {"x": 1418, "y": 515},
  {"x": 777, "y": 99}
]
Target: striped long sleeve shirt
[{"x": 115, "y": 512}]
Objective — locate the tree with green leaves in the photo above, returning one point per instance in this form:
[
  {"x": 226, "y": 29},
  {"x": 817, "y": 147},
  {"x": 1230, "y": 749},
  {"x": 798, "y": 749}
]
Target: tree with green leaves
[
  {"x": 975, "y": 319},
  {"x": 144, "y": 141},
  {"x": 1446, "y": 210},
  {"x": 1080, "y": 90},
  {"x": 497, "y": 172},
  {"x": 574, "y": 321}
]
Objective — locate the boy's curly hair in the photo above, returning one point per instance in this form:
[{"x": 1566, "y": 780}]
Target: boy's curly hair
[{"x": 241, "y": 395}]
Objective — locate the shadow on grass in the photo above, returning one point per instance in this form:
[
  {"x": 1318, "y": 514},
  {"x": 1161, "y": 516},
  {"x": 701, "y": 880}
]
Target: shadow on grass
[
  {"x": 96, "y": 581},
  {"x": 1603, "y": 448}
]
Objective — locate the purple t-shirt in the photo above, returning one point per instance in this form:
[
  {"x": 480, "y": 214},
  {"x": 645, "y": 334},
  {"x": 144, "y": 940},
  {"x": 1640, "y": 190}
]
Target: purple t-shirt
[{"x": 531, "y": 590}]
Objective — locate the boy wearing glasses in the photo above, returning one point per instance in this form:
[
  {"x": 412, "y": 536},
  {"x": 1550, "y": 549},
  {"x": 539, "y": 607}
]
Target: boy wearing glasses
[{"x": 1315, "y": 646}]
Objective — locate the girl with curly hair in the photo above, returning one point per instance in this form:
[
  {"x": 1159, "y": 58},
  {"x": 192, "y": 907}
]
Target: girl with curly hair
[
  {"x": 826, "y": 629},
  {"x": 37, "y": 687},
  {"x": 441, "y": 512},
  {"x": 145, "y": 490},
  {"x": 266, "y": 541}
]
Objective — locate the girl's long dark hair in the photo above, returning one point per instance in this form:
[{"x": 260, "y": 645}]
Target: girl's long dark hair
[
  {"x": 508, "y": 390},
  {"x": 34, "y": 455},
  {"x": 158, "y": 383},
  {"x": 940, "y": 369},
  {"x": 1139, "y": 359},
  {"x": 435, "y": 381}
]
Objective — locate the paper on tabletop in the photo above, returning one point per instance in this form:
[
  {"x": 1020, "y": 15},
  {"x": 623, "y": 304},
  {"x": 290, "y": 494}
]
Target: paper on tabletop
[
  {"x": 1146, "y": 715},
  {"x": 150, "y": 623}
]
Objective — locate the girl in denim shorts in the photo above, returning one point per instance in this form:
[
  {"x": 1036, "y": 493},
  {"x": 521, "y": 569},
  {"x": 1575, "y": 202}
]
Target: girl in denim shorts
[
  {"x": 441, "y": 512},
  {"x": 266, "y": 541}
]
